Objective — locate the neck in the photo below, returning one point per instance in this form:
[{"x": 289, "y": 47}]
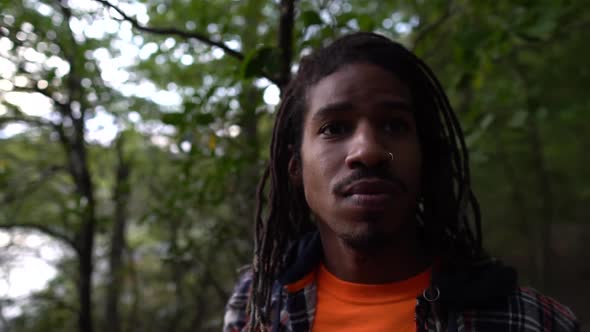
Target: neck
[{"x": 398, "y": 258}]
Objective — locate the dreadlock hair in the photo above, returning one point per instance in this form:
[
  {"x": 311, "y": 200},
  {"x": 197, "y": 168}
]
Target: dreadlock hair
[{"x": 448, "y": 214}]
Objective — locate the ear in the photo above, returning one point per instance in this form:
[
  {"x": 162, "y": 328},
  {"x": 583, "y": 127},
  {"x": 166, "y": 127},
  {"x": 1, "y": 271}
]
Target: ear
[{"x": 294, "y": 167}]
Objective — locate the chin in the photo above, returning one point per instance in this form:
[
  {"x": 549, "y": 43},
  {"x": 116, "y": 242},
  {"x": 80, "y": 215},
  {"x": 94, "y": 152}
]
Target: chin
[
  {"x": 370, "y": 238},
  {"x": 371, "y": 235}
]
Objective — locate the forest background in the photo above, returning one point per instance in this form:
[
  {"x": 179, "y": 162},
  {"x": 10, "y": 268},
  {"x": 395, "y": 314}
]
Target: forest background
[{"x": 132, "y": 135}]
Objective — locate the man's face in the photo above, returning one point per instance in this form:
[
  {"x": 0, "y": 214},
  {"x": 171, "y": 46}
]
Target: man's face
[{"x": 355, "y": 118}]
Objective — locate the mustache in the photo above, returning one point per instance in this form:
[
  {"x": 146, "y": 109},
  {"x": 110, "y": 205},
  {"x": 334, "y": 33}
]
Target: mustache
[{"x": 369, "y": 173}]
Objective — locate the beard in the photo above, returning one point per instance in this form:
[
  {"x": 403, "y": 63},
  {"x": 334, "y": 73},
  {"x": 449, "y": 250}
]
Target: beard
[
  {"x": 374, "y": 236},
  {"x": 368, "y": 240}
]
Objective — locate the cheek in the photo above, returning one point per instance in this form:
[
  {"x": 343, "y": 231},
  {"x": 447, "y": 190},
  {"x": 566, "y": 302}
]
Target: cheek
[
  {"x": 417, "y": 157},
  {"x": 313, "y": 187},
  {"x": 314, "y": 171},
  {"x": 418, "y": 169},
  {"x": 410, "y": 163},
  {"x": 416, "y": 166},
  {"x": 319, "y": 169}
]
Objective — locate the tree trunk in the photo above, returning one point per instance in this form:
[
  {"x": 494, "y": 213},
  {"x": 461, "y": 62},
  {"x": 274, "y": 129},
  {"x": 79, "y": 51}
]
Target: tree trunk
[
  {"x": 286, "y": 23},
  {"x": 85, "y": 276},
  {"x": 85, "y": 243},
  {"x": 542, "y": 231},
  {"x": 133, "y": 322},
  {"x": 178, "y": 273},
  {"x": 120, "y": 198},
  {"x": 517, "y": 199},
  {"x": 249, "y": 124}
]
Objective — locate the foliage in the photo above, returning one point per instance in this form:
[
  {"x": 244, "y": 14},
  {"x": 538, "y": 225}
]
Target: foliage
[{"x": 178, "y": 181}]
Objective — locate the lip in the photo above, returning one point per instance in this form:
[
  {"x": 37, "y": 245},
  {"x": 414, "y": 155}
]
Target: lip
[
  {"x": 371, "y": 194},
  {"x": 370, "y": 201},
  {"x": 370, "y": 187}
]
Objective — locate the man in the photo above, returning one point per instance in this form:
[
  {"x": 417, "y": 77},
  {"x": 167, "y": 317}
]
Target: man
[{"x": 371, "y": 222}]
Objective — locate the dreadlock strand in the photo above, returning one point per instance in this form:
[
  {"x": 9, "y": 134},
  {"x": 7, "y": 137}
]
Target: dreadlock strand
[
  {"x": 466, "y": 196},
  {"x": 270, "y": 239},
  {"x": 452, "y": 125},
  {"x": 454, "y": 121},
  {"x": 477, "y": 216}
]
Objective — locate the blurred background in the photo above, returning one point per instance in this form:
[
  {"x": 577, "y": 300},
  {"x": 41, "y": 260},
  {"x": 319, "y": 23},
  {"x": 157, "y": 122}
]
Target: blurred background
[{"x": 133, "y": 133}]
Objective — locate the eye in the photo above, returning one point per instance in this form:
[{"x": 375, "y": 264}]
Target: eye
[
  {"x": 397, "y": 126},
  {"x": 333, "y": 129}
]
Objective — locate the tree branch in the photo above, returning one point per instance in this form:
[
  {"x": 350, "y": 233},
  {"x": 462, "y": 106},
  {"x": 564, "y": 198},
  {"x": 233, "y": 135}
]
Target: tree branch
[
  {"x": 434, "y": 25},
  {"x": 32, "y": 185},
  {"x": 58, "y": 127},
  {"x": 31, "y": 120},
  {"x": 173, "y": 31},
  {"x": 43, "y": 229},
  {"x": 44, "y": 92},
  {"x": 53, "y": 299}
]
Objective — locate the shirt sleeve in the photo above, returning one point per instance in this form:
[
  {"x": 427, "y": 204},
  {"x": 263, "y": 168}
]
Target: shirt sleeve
[
  {"x": 550, "y": 314},
  {"x": 235, "y": 318}
]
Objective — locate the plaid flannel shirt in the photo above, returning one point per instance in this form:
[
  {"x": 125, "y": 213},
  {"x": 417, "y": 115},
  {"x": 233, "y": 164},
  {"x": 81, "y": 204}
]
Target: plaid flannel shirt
[
  {"x": 524, "y": 310},
  {"x": 519, "y": 309}
]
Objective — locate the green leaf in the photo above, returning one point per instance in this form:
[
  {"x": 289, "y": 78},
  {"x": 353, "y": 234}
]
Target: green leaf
[
  {"x": 260, "y": 62},
  {"x": 174, "y": 119},
  {"x": 189, "y": 107},
  {"x": 518, "y": 119},
  {"x": 542, "y": 29},
  {"x": 311, "y": 17},
  {"x": 203, "y": 119},
  {"x": 343, "y": 19},
  {"x": 487, "y": 121},
  {"x": 366, "y": 22}
]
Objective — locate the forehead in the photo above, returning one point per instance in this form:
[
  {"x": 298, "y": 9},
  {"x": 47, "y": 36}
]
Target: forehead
[{"x": 359, "y": 85}]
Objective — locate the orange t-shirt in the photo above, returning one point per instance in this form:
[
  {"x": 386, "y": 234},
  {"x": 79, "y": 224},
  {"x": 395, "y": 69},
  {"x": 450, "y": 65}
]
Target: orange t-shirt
[{"x": 347, "y": 306}]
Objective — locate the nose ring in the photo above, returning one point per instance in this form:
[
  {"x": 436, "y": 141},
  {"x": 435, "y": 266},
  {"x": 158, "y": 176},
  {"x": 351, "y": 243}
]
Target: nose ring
[{"x": 390, "y": 155}]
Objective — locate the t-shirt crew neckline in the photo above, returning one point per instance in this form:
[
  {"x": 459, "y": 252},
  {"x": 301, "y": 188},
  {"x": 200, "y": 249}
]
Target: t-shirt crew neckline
[{"x": 397, "y": 291}]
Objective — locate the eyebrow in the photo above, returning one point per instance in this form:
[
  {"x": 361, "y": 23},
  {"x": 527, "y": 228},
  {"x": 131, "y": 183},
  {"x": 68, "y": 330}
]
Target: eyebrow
[{"x": 345, "y": 106}]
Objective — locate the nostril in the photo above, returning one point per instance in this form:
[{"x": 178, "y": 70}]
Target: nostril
[
  {"x": 368, "y": 158},
  {"x": 373, "y": 161},
  {"x": 356, "y": 165}
]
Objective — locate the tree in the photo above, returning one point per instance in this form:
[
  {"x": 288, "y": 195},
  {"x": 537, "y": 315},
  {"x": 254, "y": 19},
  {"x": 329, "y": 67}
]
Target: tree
[
  {"x": 172, "y": 196},
  {"x": 75, "y": 95}
]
